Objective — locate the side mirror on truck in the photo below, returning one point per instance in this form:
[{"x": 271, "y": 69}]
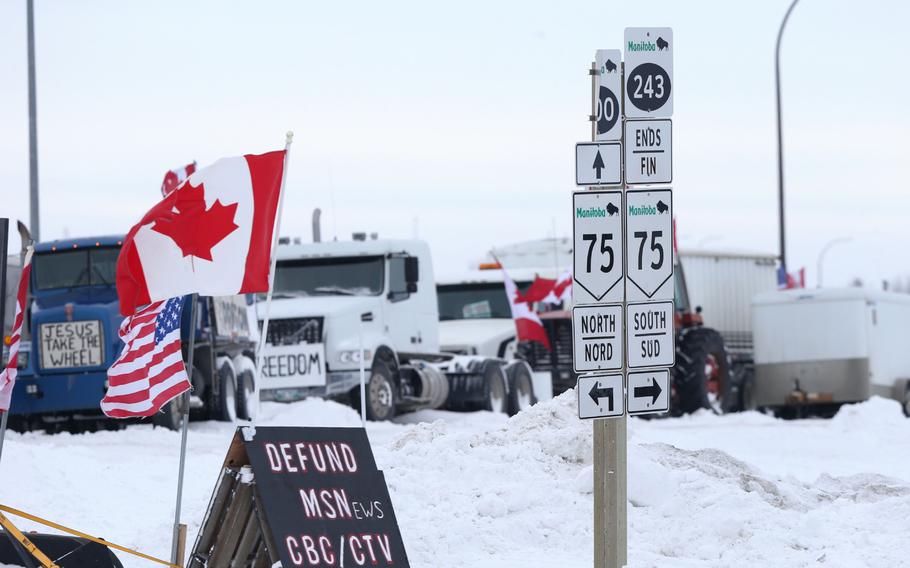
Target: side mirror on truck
[{"x": 411, "y": 273}]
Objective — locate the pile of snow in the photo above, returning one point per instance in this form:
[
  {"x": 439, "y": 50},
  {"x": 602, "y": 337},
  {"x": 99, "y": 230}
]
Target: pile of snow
[{"x": 484, "y": 491}]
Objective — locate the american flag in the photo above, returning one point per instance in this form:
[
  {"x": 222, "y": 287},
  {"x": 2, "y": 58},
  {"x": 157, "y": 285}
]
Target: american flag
[
  {"x": 8, "y": 376},
  {"x": 149, "y": 371}
]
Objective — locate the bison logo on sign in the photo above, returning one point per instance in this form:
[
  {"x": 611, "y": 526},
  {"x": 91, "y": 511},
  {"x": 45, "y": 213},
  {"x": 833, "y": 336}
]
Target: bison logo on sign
[{"x": 662, "y": 44}]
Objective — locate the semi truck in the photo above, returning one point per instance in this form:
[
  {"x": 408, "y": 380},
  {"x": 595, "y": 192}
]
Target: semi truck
[
  {"x": 818, "y": 349},
  {"x": 70, "y": 338},
  {"x": 339, "y": 307}
]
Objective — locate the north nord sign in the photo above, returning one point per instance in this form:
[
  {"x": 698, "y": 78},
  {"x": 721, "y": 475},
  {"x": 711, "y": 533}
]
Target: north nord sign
[{"x": 597, "y": 338}]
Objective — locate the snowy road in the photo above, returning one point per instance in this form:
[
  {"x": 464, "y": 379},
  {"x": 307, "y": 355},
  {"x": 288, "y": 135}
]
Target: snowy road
[{"x": 478, "y": 490}]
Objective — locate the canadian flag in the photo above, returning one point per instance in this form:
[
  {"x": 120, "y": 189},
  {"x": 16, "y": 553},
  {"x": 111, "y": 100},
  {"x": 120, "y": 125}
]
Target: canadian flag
[
  {"x": 212, "y": 235},
  {"x": 175, "y": 177},
  {"x": 528, "y": 326},
  {"x": 548, "y": 290},
  {"x": 562, "y": 289}
]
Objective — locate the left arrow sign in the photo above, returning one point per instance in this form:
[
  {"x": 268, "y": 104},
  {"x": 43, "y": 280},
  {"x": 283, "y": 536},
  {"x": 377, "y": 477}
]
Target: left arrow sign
[{"x": 600, "y": 396}]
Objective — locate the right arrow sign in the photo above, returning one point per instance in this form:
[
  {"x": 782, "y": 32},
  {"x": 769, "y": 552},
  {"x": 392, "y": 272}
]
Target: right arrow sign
[{"x": 649, "y": 392}]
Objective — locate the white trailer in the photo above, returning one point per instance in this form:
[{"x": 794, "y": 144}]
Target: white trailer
[
  {"x": 830, "y": 346},
  {"x": 722, "y": 284}
]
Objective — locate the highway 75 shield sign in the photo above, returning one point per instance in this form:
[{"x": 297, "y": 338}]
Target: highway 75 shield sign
[
  {"x": 649, "y": 245},
  {"x": 597, "y": 250}
]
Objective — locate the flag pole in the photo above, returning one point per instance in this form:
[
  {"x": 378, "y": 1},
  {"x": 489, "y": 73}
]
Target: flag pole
[
  {"x": 4, "y": 246},
  {"x": 264, "y": 333},
  {"x": 184, "y": 426}
]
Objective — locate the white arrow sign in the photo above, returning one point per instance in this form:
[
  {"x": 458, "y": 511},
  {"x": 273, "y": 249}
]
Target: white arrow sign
[
  {"x": 649, "y": 151},
  {"x": 650, "y": 335},
  {"x": 608, "y": 109},
  {"x": 649, "y": 72},
  {"x": 597, "y": 338},
  {"x": 649, "y": 245},
  {"x": 600, "y": 396},
  {"x": 598, "y": 163},
  {"x": 597, "y": 252},
  {"x": 649, "y": 392}
]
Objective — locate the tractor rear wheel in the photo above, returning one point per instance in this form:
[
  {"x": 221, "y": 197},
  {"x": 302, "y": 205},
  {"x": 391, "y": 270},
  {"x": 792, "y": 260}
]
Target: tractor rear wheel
[{"x": 702, "y": 374}]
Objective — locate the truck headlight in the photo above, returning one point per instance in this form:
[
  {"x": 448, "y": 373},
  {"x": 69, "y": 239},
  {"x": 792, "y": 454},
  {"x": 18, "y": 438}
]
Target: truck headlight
[{"x": 353, "y": 356}]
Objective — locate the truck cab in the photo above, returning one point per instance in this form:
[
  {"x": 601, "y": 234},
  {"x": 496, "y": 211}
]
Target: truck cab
[
  {"x": 342, "y": 308},
  {"x": 71, "y": 337}
]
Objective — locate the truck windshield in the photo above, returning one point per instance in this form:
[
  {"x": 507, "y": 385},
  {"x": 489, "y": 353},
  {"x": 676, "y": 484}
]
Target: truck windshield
[
  {"x": 471, "y": 301},
  {"x": 347, "y": 276},
  {"x": 72, "y": 268}
]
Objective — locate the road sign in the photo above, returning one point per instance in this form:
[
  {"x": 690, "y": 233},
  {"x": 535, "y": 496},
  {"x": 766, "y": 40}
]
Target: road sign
[
  {"x": 649, "y": 244},
  {"x": 649, "y": 392},
  {"x": 598, "y": 163},
  {"x": 597, "y": 252},
  {"x": 608, "y": 86},
  {"x": 649, "y": 73},
  {"x": 600, "y": 396},
  {"x": 650, "y": 335},
  {"x": 597, "y": 338},
  {"x": 649, "y": 151}
]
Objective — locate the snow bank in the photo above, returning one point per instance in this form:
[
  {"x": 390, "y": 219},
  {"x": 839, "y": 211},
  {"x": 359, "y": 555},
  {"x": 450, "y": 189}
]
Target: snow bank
[{"x": 484, "y": 491}]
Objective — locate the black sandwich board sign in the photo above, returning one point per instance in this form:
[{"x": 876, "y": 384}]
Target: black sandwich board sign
[{"x": 318, "y": 497}]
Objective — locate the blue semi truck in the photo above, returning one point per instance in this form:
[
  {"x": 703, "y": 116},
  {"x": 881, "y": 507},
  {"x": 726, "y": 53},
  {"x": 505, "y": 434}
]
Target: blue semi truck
[{"x": 71, "y": 338}]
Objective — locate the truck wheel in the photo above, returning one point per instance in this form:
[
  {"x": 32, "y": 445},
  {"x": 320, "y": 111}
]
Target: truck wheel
[
  {"x": 171, "y": 414},
  {"x": 521, "y": 388},
  {"x": 380, "y": 391},
  {"x": 247, "y": 404},
  {"x": 496, "y": 397},
  {"x": 702, "y": 377},
  {"x": 906, "y": 404},
  {"x": 228, "y": 377}
]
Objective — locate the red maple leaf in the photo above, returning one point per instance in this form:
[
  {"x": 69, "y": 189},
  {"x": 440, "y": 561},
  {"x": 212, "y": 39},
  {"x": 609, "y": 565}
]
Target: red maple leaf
[{"x": 191, "y": 226}]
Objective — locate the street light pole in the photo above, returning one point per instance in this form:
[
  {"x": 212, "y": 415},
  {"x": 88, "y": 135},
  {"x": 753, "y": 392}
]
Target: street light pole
[
  {"x": 780, "y": 141},
  {"x": 821, "y": 255},
  {"x": 32, "y": 125}
]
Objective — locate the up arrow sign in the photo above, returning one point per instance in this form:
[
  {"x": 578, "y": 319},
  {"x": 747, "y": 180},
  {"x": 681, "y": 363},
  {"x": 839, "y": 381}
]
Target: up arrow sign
[{"x": 598, "y": 163}]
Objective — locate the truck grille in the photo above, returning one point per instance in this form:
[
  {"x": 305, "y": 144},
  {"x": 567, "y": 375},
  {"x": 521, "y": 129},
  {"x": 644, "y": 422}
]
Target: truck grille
[
  {"x": 558, "y": 359},
  {"x": 294, "y": 330}
]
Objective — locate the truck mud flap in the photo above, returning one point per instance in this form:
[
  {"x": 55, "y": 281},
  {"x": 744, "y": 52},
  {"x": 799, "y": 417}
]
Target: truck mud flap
[{"x": 66, "y": 551}]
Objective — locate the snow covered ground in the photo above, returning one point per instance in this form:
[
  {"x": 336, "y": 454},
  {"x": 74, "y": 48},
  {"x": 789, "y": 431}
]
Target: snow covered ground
[{"x": 478, "y": 490}]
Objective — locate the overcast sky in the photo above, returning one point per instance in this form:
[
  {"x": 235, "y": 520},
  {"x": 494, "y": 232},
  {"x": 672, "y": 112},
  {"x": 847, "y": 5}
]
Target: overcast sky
[{"x": 457, "y": 121}]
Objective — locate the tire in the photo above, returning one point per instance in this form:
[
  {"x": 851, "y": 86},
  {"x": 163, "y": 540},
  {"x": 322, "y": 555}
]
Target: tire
[
  {"x": 906, "y": 401},
  {"x": 227, "y": 398},
  {"x": 381, "y": 393},
  {"x": 702, "y": 374},
  {"x": 496, "y": 397},
  {"x": 521, "y": 388},
  {"x": 171, "y": 415},
  {"x": 247, "y": 403}
]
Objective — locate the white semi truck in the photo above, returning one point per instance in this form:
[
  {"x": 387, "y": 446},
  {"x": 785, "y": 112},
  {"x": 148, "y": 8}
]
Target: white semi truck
[{"x": 337, "y": 304}]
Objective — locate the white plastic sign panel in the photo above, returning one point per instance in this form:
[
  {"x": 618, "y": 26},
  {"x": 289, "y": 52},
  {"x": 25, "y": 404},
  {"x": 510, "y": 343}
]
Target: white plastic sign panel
[
  {"x": 600, "y": 396},
  {"x": 607, "y": 107},
  {"x": 598, "y": 163},
  {"x": 649, "y": 73},
  {"x": 649, "y": 245},
  {"x": 649, "y": 151},
  {"x": 598, "y": 251},
  {"x": 597, "y": 338},
  {"x": 650, "y": 335},
  {"x": 649, "y": 392}
]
